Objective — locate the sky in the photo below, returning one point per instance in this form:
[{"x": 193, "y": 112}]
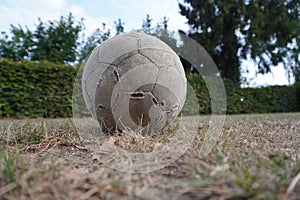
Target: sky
[{"x": 131, "y": 12}]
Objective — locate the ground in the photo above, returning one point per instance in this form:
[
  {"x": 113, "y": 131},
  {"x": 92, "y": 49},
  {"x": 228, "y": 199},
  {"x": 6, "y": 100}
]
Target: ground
[{"x": 256, "y": 157}]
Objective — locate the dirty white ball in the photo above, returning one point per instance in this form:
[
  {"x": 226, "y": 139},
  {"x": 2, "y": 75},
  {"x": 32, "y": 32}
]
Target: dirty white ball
[{"x": 134, "y": 81}]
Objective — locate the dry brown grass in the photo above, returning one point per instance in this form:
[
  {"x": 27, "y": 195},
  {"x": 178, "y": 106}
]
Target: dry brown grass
[{"x": 257, "y": 157}]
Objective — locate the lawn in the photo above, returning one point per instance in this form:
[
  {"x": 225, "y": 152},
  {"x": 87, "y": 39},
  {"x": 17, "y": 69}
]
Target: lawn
[{"x": 256, "y": 157}]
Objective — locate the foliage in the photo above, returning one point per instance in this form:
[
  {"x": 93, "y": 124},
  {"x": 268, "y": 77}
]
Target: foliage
[
  {"x": 35, "y": 89},
  {"x": 119, "y": 25},
  {"x": 55, "y": 41},
  {"x": 146, "y": 26},
  {"x": 96, "y": 38},
  {"x": 18, "y": 46},
  {"x": 296, "y": 72},
  {"x": 266, "y": 31},
  {"x": 160, "y": 31},
  {"x": 269, "y": 99},
  {"x": 297, "y": 88},
  {"x": 44, "y": 89}
]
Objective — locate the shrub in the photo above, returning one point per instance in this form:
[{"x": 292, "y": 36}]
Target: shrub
[
  {"x": 249, "y": 100},
  {"x": 44, "y": 89},
  {"x": 35, "y": 89}
]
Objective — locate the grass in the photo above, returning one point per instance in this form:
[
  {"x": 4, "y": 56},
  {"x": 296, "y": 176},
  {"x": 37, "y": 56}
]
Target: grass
[{"x": 256, "y": 157}]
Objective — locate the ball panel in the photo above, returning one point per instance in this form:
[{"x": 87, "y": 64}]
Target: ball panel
[
  {"x": 90, "y": 80},
  {"x": 159, "y": 57},
  {"x": 163, "y": 59},
  {"x": 158, "y": 120},
  {"x": 167, "y": 101},
  {"x": 116, "y": 47},
  {"x": 137, "y": 76},
  {"x": 103, "y": 95},
  {"x": 151, "y": 42},
  {"x": 174, "y": 81},
  {"x": 126, "y": 63}
]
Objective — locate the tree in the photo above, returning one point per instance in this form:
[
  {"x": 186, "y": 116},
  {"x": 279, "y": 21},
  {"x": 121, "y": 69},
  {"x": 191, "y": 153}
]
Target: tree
[
  {"x": 146, "y": 25},
  {"x": 56, "y": 41},
  {"x": 162, "y": 32},
  {"x": 267, "y": 31},
  {"x": 119, "y": 25},
  {"x": 96, "y": 38},
  {"x": 18, "y": 46}
]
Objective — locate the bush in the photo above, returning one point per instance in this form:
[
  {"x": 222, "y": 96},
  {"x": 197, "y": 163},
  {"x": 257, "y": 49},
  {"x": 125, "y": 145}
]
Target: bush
[
  {"x": 297, "y": 89},
  {"x": 35, "y": 89},
  {"x": 249, "y": 100},
  {"x": 44, "y": 89}
]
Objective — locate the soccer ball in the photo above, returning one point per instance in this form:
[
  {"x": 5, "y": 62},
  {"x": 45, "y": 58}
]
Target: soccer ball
[{"x": 134, "y": 81}]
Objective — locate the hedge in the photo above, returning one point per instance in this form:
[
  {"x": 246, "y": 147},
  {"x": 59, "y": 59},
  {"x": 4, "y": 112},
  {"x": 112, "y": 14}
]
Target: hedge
[
  {"x": 269, "y": 99},
  {"x": 44, "y": 89},
  {"x": 35, "y": 89}
]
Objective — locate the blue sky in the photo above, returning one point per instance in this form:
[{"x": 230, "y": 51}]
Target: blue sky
[{"x": 96, "y": 12}]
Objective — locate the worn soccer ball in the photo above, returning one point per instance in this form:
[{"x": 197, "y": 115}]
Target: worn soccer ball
[{"x": 134, "y": 81}]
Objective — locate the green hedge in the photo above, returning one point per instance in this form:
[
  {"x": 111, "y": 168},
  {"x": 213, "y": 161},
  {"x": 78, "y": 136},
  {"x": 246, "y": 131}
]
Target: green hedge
[
  {"x": 44, "y": 89},
  {"x": 249, "y": 100},
  {"x": 35, "y": 89}
]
